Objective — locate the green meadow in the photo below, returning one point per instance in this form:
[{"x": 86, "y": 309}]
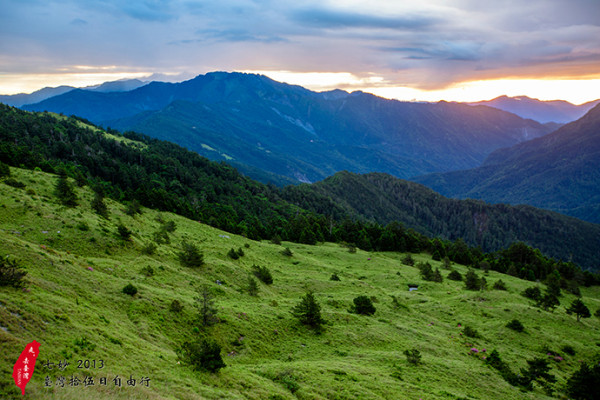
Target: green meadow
[{"x": 73, "y": 304}]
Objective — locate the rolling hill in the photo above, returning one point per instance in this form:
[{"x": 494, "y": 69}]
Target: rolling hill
[
  {"x": 560, "y": 172},
  {"x": 303, "y": 135}
]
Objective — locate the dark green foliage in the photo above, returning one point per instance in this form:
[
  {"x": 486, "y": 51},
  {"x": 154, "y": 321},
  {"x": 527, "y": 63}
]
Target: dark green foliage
[
  {"x": 4, "y": 170},
  {"x": 553, "y": 283},
  {"x": 308, "y": 312},
  {"x": 287, "y": 252},
  {"x": 133, "y": 207},
  {"x": 499, "y": 285},
  {"x": 263, "y": 274},
  {"x": 413, "y": 356},
  {"x": 130, "y": 289},
  {"x": 579, "y": 309},
  {"x": 203, "y": 355},
  {"x": 233, "y": 254},
  {"x": 11, "y": 274},
  {"x": 98, "y": 205},
  {"x": 533, "y": 293},
  {"x": 176, "y": 306},
  {"x": 363, "y": 305},
  {"x": 147, "y": 271},
  {"x": 123, "y": 232},
  {"x": 482, "y": 283},
  {"x": 14, "y": 183},
  {"x": 495, "y": 361},
  {"x": 149, "y": 248},
  {"x": 64, "y": 190},
  {"x": 207, "y": 312},
  {"x": 334, "y": 277},
  {"x": 276, "y": 239},
  {"x": 515, "y": 325},
  {"x": 548, "y": 302},
  {"x": 287, "y": 379},
  {"x": 190, "y": 256},
  {"x": 425, "y": 270},
  {"x": 597, "y": 313},
  {"x": 584, "y": 383},
  {"x": 470, "y": 332},
  {"x": 472, "y": 281},
  {"x": 240, "y": 252},
  {"x": 252, "y": 286},
  {"x": 408, "y": 260},
  {"x": 568, "y": 349},
  {"x": 537, "y": 370},
  {"x": 454, "y": 275}
]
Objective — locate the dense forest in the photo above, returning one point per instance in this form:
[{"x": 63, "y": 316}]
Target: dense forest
[{"x": 167, "y": 177}]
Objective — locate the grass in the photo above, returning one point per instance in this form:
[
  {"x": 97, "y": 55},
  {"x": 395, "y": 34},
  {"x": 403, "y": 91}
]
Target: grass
[{"x": 74, "y": 306}]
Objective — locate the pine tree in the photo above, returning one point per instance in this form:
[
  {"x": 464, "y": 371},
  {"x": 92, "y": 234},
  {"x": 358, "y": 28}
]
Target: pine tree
[
  {"x": 579, "y": 309},
  {"x": 252, "y": 286},
  {"x": 98, "y": 205},
  {"x": 207, "y": 312},
  {"x": 308, "y": 311},
  {"x": 472, "y": 281},
  {"x": 64, "y": 190}
]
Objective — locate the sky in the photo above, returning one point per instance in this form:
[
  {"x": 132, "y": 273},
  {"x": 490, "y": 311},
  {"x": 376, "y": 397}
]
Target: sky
[{"x": 461, "y": 50}]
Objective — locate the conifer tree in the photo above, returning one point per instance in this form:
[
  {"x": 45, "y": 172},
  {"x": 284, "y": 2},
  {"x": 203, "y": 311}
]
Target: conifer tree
[
  {"x": 308, "y": 312},
  {"x": 579, "y": 309},
  {"x": 64, "y": 190}
]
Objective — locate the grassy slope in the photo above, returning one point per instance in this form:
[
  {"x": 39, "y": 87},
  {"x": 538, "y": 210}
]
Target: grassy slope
[{"x": 357, "y": 357}]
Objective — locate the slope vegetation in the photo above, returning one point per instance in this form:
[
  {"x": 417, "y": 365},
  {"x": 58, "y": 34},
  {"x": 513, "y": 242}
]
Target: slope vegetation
[{"x": 73, "y": 304}]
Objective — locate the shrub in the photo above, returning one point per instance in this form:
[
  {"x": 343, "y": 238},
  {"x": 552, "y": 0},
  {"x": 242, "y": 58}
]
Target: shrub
[
  {"x": 124, "y": 232},
  {"x": 454, "y": 275},
  {"x": 408, "y": 260},
  {"x": 83, "y": 226},
  {"x": 149, "y": 248},
  {"x": 413, "y": 356},
  {"x": 11, "y": 274},
  {"x": 548, "y": 301},
  {"x": 203, "y": 355},
  {"x": 287, "y": 252},
  {"x": 240, "y": 252},
  {"x": 98, "y": 205},
  {"x": 470, "y": 332},
  {"x": 252, "y": 286},
  {"x": 233, "y": 254},
  {"x": 533, "y": 293},
  {"x": 568, "y": 349},
  {"x": 276, "y": 240},
  {"x": 425, "y": 270},
  {"x": 584, "y": 383},
  {"x": 133, "y": 208},
  {"x": 263, "y": 274},
  {"x": 472, "y": 281},
  {"x": 147, "y": 271},
  {"x": 4, "y": 170},
  {"x": 176, "y": 306},
  {"x": 130, "y": 290},
  {"x": 499, "y": 285},
  {"x": 14, "y": 183},
  {"x": 363, "y": 305},
  {"x": 190, "y": 256},
  {"x": 515, "y": 325},
  {"x": 334, "y": 277},
  {"x": 308, "y": 312}
]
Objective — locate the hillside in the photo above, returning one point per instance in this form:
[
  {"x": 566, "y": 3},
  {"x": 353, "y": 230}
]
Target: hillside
[
  {"x": 560, "y": 172},
  {"x": 164, "y": 176},
  {"x": 72, "y": 303},
  {"x": 303, "y": 135},
  {"x": 558, "y": 111},
  {"x": 383, "y": 199}
]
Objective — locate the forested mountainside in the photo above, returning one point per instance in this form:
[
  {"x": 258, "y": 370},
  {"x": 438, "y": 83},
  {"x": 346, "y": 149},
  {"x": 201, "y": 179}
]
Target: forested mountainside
[
  {"x": 384, "y": 198},
  {"x": 166, "y": 177},
  {"x": 303, "y": 135},
  {"x": 560, "y": 172}
]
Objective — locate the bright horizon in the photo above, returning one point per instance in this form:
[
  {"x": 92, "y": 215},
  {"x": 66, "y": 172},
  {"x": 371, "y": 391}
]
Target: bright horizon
[{"x": 422, "y": 50}]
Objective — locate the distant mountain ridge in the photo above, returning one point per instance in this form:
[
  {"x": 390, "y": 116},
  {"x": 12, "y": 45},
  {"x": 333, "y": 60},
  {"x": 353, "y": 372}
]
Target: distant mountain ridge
[
  {"x": 21, "y": 99},
  {"x": 287, "y": 130},
  {"x": 558, "y": 111},
  {"x": 560, "y": 172}
]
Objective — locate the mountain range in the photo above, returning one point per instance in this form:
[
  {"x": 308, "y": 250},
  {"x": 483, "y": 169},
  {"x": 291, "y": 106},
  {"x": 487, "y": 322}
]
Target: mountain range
[
  {"x": 560, "y": 171},
  {"x": 305, "y": 136},
  {"x": 557, "y": 111}
]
